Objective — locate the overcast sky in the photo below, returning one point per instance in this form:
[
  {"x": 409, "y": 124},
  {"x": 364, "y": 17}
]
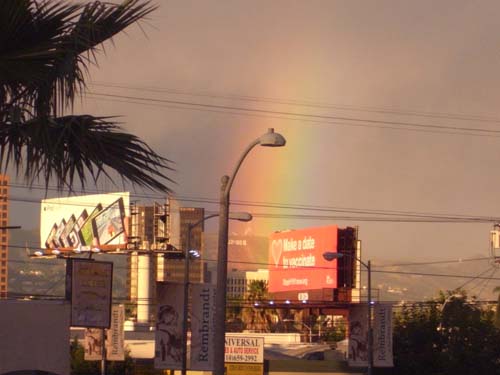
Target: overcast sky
[{"x": 252, "y": 64}]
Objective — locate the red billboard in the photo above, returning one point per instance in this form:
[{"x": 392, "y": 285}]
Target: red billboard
[{"x": 296, "y": 259}]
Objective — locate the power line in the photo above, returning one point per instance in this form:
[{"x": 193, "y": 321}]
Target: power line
[
  {"x": 460, "y": 260},
  {"x": 375, "y": 270},
  {"x": 305, "y": 103},
  {"x": 352, "y": 121},
  {"x": 282, "y": 117},
  {"x": 401, "y": 216}
]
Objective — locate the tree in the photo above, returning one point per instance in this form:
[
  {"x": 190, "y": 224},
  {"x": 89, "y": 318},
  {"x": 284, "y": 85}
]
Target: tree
[
  {"x": 46, "y": 49},
  {"x": 451, "y": 335},
  {"x": 497, "y": 312},
  {"x": 79, "y": 366},
  {"x": 255, "y": 316}
]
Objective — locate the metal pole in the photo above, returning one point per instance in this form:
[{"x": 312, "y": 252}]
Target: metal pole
[
  {"x": 185, "y": 302},
  {"x": 103, "y": 352},
  {"x": 220, "y": 296},
  {"x": 370, "y": 331}
]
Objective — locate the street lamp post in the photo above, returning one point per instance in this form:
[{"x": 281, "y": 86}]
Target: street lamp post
[
  {"x": 240, "y": 216},
  {"x": 329, "y": 256},
  {"x": 269, "y": 139}
]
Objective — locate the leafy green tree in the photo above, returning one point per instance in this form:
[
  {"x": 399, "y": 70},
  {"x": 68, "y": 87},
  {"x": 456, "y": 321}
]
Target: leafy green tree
[
  {"x": 81, "y": 367},
  {"x": 451, "y": 335},
  {"x": 46, "y": 49}
]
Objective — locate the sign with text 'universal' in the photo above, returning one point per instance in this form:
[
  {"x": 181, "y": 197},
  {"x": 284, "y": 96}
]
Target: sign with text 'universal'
[
  {"x": 244, "y": 349},
  {"x": 244, "y": 355}
]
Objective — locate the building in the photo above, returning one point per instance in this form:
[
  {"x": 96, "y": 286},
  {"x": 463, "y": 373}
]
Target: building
[
  {"x": 148, "y": 231},
  {"x": 162, "y": 229},
  {"x": 174, "y": 268},
  {"x": 4, "y": 238},
  {"x": 238, "y": 281}
]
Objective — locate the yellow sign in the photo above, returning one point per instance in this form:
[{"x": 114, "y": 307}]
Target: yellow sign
[{"x": 244, "y": 368}]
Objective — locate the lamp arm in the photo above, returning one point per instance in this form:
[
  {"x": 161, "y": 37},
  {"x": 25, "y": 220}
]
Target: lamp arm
[
  {"x": 238, "y": 165},
  {"x": 362, "y": 263},
  {"x": 191, "y": 226}
]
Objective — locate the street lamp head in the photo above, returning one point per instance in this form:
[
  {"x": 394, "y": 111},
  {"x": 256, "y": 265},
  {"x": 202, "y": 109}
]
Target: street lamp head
[
  {"x": 272, "y": 139},
  {"x": 330, "y": 255},
  {"x": 240, "y": 216}
]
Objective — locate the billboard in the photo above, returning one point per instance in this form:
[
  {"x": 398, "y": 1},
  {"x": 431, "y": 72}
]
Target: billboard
[
  {"x": 382, "y": 336},
  {"x": 296, "y": 259},
  {"x": 168, "y": 333},
  {"x": 202, "y": 327},
  {"x": 115, "y": 338},
  {"x": 91, "y": 293},
  {"x": 92, "y": 344},
  {"x": 357, "y": 351},
  {"x": 99, "y": 220}
]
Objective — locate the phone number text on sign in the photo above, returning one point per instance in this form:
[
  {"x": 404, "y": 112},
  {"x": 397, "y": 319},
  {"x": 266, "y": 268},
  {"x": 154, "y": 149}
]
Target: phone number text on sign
[{"x": 244, "y": 350}]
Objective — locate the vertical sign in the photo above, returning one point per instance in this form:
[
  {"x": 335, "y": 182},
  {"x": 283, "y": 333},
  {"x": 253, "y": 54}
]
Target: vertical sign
[
  {"x": 115, "y": 335},
  {"x": 169, "y": 316},
  {"x": 202, "y": 327},
  {"x": 93, "y": 344},
  {"x": 357, "y": 351},
  {"x": 382, "y": 336},
  {"x": 91, "y": 292}
]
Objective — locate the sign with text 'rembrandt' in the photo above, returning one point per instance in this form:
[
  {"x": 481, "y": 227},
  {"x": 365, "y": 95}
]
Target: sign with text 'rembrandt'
[
  {"x": 91, "y": 288},
  {"x": 202, "y": 327},
  {"x": 296, "y": 259}
]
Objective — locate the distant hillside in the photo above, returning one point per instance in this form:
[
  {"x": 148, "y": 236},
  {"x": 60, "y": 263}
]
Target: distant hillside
[
  {"x": 405, "y": 282},
  {"x": 244, "y": 252},
  {"x": 45, "y": 277}
]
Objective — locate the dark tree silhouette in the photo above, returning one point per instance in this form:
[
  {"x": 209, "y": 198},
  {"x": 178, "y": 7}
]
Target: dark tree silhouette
[{"x": 46, "y": 49}]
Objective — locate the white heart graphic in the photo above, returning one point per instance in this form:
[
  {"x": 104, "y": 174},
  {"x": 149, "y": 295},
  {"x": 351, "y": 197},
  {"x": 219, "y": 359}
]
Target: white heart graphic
[{"x": 276, "y": 250}]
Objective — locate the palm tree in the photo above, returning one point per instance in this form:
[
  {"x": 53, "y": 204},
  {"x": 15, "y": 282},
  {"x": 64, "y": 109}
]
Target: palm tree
[
  {"x": 46, "y": 49},
  {"x": 256, "y": 317}
]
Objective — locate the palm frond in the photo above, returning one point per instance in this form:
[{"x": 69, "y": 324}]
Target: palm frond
[
  {"x": 45, "y": 50},
  {"x": 71, "y": 148}
]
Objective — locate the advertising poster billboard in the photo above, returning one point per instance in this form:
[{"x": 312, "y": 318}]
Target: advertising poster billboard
[
  {"x": 114, "y": 342},
  {"x": 357, "y": 351},
  {"x": 91, "y": 293},
  {"x": 168, "y": 334},
  {"x": 382, "y": 336},
  {"x": 202, "y": 327},
  {"x": 296, "y": 259},
  {"x": 92, "y": 344},
  {"x": 115, "y": 336},
  {"x": 99, "y": 220}
]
